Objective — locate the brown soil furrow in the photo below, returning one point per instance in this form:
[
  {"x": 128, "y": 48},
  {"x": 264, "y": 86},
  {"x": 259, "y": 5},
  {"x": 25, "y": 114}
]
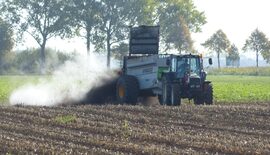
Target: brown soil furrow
[
  {"x": 113, "y": 129},
  {"x": 153, "y": 140},
  {"x": 187, "y": 123},
  {"x": 71, "y": 138}
]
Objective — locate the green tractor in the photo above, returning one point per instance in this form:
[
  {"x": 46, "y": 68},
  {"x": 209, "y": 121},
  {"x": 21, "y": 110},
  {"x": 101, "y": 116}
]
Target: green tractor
[{"x": 169, "y": 77}]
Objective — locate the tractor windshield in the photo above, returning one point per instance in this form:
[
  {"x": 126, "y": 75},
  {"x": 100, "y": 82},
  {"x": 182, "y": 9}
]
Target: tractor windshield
[{"x": 187, "y": 65}]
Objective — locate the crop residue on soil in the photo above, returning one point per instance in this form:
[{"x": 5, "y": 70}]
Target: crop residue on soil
[{"x": 241, "y": 129}]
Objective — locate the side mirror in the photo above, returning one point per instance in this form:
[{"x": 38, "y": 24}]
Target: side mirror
[
  {"x": 210, "y": 61},
  {"x": 168, "y": 62}
]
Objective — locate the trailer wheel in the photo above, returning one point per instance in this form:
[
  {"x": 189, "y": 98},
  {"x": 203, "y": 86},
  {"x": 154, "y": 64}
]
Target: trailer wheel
[
  {"x": 127, "y": 89},
  {"x": 208, "y": 96}
]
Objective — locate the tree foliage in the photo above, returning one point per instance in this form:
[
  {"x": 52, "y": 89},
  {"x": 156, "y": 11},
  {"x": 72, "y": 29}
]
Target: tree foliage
[
  {"x": 105, "y": 23},
  {"x": 42, "y": 19},
  {"x": 143, "y": 12},
  {"x": 26, "y": 61},
  {"x": 266, "y": 56},
  {"x": 177, "y": 20},
  {"x": 233, "y": 52},
  {"x": 218, "y": 43},
  {"x": 85, "y": 17},
  {"x": 6, "y": 39},
  {"x": 113, "y": 28},
  {"x": 119, "y": 51},
  {"x": 6, "y": 42},
  {"x": 259, "y": 43},
  {"x": 233, "y": 57}
]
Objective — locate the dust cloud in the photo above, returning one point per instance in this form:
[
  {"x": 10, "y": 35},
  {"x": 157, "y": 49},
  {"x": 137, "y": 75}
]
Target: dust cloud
[{"x": 70, "y": 84}]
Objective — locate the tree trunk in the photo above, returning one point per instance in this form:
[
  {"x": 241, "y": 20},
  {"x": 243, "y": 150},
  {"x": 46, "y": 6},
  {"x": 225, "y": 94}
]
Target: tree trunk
[
  {"x": 108, "y": 50},
  {"x": 257, "y": 62},
  {"x": 257, "y": 58},
  {"x": 88, "y": 35},
  {"x": 218, "y": 56},
  {"x": 42, "y": 58},
  {"x": 180, "y": 51}
]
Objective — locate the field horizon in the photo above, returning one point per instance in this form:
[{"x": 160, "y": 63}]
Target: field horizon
[{"x": 227, "y": 88}]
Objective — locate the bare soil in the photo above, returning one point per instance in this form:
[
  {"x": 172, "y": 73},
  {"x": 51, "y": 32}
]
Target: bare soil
[{"x": 122, "y": 129}]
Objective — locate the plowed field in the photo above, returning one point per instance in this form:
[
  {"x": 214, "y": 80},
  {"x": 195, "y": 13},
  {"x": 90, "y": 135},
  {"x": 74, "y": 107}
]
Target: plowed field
[{"x": 113, "y": 129}]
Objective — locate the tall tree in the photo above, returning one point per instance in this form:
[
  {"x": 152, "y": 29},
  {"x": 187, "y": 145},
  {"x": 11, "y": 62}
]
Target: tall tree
[
  {"x": 233, "y": 55},
  {"x": 42, "y": 20},
  {"x": 259, "y": 43},
  {"x": 177, "y": 20},
  {"x": 219, "y": 43},
  {"x": 6, "y": 40},
  {"x": 113, "y": 28},
  {"x": 176, "y": 24},
  {"x": 85, "y": 15}
]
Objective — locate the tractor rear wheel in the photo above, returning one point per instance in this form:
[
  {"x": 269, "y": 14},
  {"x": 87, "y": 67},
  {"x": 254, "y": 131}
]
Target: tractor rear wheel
[
  {"x": 208, "y": 95},
  {"x": 170, "y": 94},
  {"x": 164, "y": 99},
  {"x": 175, "y": 95},
  {"x": 127, "y": 89}
]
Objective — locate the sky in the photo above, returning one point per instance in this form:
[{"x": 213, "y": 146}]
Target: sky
[{"x": 237, "y": 19}]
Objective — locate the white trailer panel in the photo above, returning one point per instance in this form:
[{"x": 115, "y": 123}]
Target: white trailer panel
[{"x": 146, "y": 69}]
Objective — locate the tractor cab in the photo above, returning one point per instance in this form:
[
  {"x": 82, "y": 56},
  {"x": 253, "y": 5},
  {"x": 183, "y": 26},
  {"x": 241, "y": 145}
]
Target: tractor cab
[{"x": 188, "y": 64}]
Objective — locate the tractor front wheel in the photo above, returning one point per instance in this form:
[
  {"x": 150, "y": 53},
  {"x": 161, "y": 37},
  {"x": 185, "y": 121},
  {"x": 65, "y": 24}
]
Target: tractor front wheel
[
  {"x": 208, "y": 95},
  {"x": 198, "y": 100}
]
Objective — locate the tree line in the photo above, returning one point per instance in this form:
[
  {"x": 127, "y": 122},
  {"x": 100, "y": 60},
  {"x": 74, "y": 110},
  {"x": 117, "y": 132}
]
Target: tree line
[
  {"x": 27, "y": 61},
  {"x": 103, "y": 23},
  {"x": 257, "y": 42}
]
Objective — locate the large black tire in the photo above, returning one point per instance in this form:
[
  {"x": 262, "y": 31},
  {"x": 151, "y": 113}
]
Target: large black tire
[
  {"x": 164, "y": 99},
  {"x": 199, "y": 99},
  {"x": 170, "y": 94},
  {"x": 175, "y": 95},
  {"x": 160, "y": 99},
  {"x": 208, "y": 95},
  {"x": 127, "y": 89}
]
